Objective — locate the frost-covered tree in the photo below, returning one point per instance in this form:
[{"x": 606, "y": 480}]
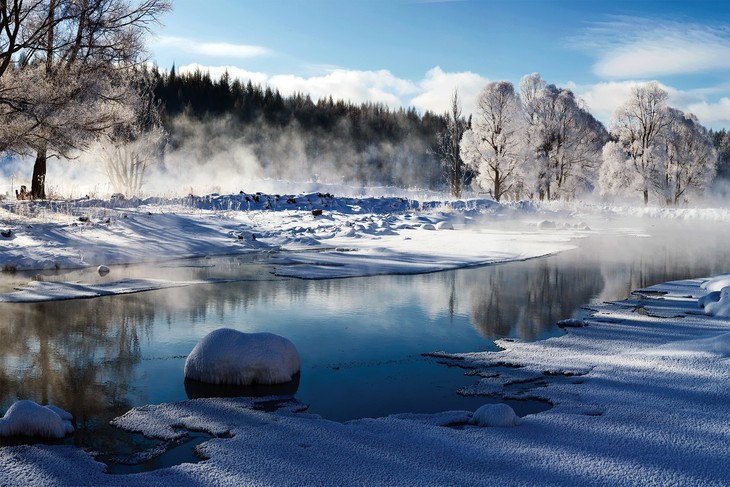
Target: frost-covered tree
[
  {"x": 565, "y": 140},
  {"x": 448, "y": 150},
  {"x": 639, "y": 127},
  {"x": 68, "y": 80},
  {"x": 493, "y": 146},
  {"x": 689, "y": 159}
]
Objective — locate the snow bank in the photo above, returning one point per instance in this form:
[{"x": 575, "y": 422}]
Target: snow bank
[
  {"x": 27, "y": 418},
  {"x": 495, "y": 415},
  {"x": 39, "y": 291},
  {"x": 227, "y": 356},
  {"x": 639, "y": 399},
  {"x": 717, "y": 301}
]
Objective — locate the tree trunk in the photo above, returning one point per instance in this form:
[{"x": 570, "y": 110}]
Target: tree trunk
[{"x": 38, "y": 184}]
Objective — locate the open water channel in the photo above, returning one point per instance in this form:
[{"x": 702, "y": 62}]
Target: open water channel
[{"x": 361, "y": 340}]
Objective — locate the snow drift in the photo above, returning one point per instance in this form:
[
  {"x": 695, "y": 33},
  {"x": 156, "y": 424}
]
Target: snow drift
[{"x": 227, "y": 356}]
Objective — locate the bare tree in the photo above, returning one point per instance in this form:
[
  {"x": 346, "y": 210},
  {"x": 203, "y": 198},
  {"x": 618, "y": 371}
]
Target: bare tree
[
  {"x": 133, "y": 148},
  {"x": 448, "y": 150},
  {"x": 70, "y": 82},
  {"x": 493, "y": 146}
]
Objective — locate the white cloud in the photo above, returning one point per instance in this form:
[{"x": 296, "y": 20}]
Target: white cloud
[
  {"x": 356, "y": 86},
  {"x": 436, "y": 88},
  {"x": 433, "y": 92},
  {"x": 712, "y": 114},
  {"x": 631, "y": 47},
  {"x": 216, "y": 49}
]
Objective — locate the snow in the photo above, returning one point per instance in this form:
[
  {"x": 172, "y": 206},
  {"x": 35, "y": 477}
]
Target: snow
[
  {"x": 495, "y": 415},
  {"x": 639, "y": 399},
  {"x": 27, "y": 418},
  {"x": 227, "y": 356},
  {"x": 638, "y": 388},
  {"x": 354, "y": 236}
]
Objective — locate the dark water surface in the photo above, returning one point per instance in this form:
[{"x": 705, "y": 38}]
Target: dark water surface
[{"x": 360, "y": 340}]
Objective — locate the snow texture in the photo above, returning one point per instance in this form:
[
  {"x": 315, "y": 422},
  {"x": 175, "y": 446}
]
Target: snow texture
[
  {"x": 227, "y": 356},
  {"x": 639, "y": 400},
  {"x": 27, "y": 418}
]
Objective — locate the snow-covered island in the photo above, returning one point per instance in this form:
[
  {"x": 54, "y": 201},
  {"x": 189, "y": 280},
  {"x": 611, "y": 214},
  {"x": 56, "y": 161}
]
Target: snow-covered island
[{"x": 638, "y": 388}]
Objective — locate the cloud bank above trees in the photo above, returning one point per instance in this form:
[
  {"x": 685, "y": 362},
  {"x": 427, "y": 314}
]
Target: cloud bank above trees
[{"x": 433, "y": 91}]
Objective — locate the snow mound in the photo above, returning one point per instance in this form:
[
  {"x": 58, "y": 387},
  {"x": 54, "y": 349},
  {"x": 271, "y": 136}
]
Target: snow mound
[
  {"x": 227, "y": 356},
  {"x": 718, "y": 304},
  {"x": 717, "y": 282},
  {"x": 495, "y": 415},
  {"x": 28, "y": 418},
  {"x": 444, "y": 226}
]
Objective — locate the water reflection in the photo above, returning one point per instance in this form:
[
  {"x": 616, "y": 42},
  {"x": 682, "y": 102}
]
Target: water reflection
[
  {"x": 195, "y": 389},
  {"x": 360, "y": 340}
]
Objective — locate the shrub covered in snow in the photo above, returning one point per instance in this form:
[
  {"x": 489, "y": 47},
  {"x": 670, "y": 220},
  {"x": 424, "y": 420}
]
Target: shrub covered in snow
[
  {"x": 227, "y": 356},
  {"x": 495, "y": 415},
  {"x": 28, "y": 418}
]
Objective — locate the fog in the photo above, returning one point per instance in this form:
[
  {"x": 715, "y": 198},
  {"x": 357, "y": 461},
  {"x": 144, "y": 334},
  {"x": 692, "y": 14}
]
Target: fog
[{"x": 223, "y": 156}]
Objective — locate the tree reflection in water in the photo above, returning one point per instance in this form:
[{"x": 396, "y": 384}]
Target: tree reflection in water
[{"x": 97, "y": 358}]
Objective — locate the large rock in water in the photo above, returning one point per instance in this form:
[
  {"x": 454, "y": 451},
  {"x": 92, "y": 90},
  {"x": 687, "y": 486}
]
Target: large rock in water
[
  {"x": 28, "y": 418},
  {"x": 227, "y": 356}
]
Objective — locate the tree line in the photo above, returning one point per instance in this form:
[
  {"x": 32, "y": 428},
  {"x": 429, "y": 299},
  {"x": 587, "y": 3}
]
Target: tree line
[{"x": 367, "y": 143}]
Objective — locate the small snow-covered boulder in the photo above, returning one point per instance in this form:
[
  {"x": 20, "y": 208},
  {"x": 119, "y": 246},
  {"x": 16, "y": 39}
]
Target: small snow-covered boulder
[
  {"x": 718, "y": 305},
  {"x": 547, "y": 225},
  {"x": 227, "y": 356},
  {"x": 428, "y": 226},
  {"x": 495, "y": 415},
  {"x": 28, "y": 418},
  {"x": 444, "y": 226},
  {"x": 711, "y": 297}
]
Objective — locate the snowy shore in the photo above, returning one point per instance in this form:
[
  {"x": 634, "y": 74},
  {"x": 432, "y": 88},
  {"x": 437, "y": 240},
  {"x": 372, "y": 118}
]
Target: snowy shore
[
  {"x": 638, "y": 389},
  {"x": 310, "y": 236}
]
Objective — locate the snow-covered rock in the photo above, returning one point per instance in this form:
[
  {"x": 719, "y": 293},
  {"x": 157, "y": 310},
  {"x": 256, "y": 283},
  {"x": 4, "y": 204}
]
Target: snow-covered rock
[
  {"x": 546, "y": 225},
  {"x": 28, "y": 418},
  {"x": 227, "y": 356},
  {"x": 495, "y": 415},
  {"x": 718, "y": 304}
]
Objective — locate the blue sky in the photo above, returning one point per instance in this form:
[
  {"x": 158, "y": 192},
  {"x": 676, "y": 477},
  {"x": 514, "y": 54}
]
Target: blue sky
[{"x": 416, "y": 52}]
